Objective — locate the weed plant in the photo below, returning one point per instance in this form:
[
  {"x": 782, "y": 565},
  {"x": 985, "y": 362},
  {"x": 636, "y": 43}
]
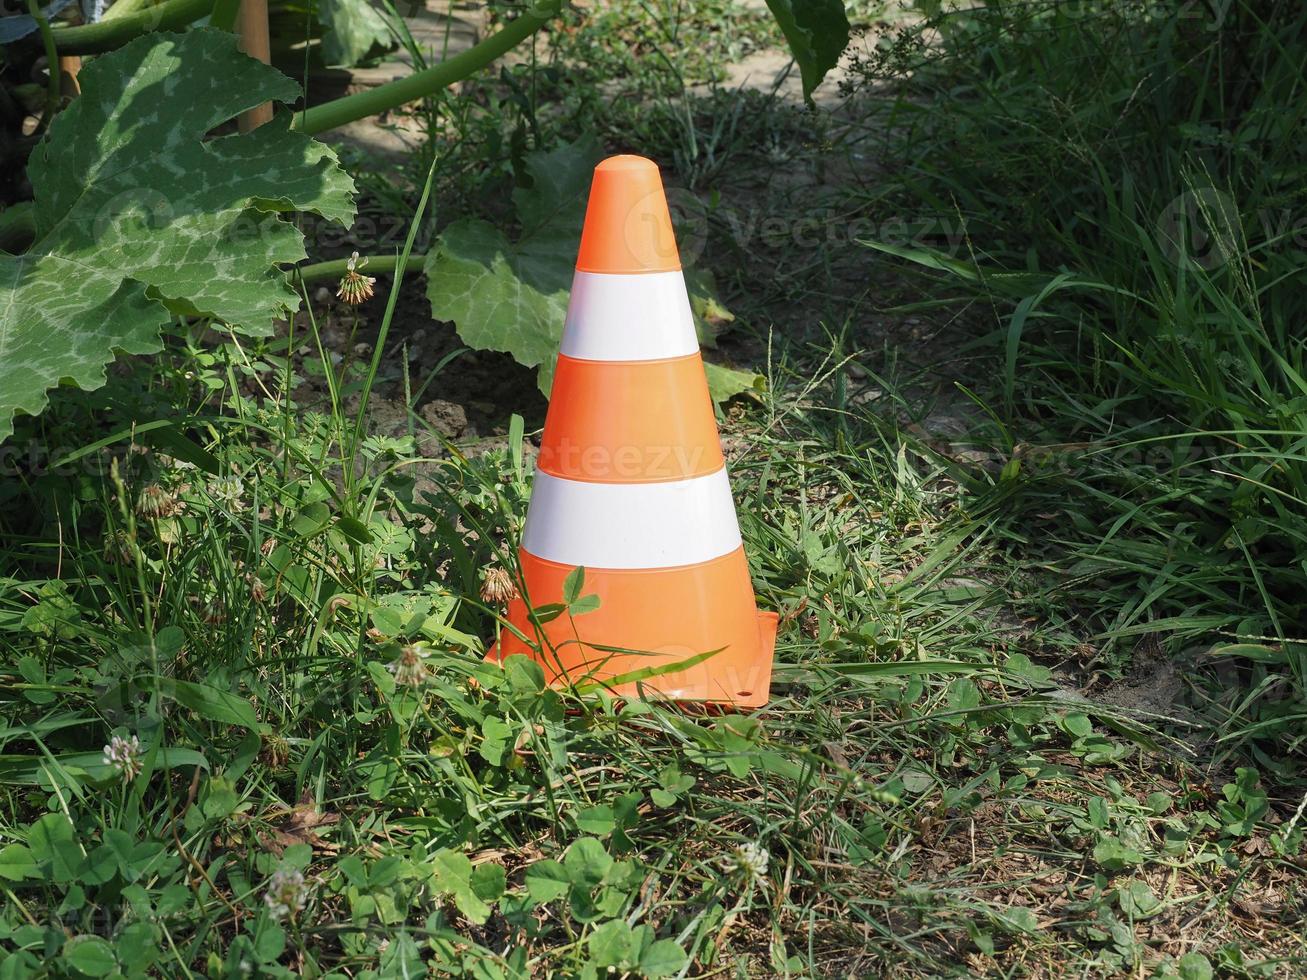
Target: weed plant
[{"x": 1131, "y": 180}]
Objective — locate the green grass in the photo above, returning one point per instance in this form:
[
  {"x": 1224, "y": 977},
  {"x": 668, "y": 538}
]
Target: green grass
[
  {"x": 929, "y": 800},
  {"x": 959, "y": 773},
  {"x": 1129, "y": 265}
]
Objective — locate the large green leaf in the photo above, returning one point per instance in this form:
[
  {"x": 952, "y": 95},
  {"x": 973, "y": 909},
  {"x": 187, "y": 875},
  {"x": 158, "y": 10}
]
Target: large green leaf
[
  {"x": 354, "y": 31},
  {"x": 817, "y": 32},
  {"x": 139, "y": 218},
  {"x": 512, "y": 296}
]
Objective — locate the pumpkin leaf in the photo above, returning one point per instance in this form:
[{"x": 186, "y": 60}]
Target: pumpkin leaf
[
  {"x": 817, "y": 32},
  {"x": 138, "y": 217},
  {"x": 354, "y": 31},
  {"x": 511, "y": 295}
]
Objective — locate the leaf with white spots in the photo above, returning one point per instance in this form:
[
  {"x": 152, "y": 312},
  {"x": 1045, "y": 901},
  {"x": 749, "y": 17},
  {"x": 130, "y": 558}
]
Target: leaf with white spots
[
  {"x": 139, "y": 217},
  {"x": 355, "y": 30}
]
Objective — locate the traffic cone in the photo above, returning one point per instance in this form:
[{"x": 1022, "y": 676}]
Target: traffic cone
[{"x": 631, "y": 484}]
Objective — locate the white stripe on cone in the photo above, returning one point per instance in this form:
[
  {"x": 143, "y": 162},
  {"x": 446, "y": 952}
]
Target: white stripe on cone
[
  {"x": 629, "y": 317},
  {"x": 631, "y": 525}
]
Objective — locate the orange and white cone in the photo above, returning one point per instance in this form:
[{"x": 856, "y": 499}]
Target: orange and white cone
[{"x": 631, "y": 484}]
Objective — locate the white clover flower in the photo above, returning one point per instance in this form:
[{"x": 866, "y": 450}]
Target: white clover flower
[
  {"x": 355, "y": 287},
  {"x": 228, "y": 490},
  {"x": 409, "y": 667},
  {"x": 125, "y": 755},
  {"x": 287, "y": 893},
  {"x": 748, "y": 860}
]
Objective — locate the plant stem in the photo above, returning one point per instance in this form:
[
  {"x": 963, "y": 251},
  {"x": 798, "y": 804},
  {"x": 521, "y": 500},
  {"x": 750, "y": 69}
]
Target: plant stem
[
  {"x": 338, "y": 112},
  {"x": 336, "y": 267},
  {"x": 109, "y": 34},
  {"x": 51, "y": 54},
  {"x": 380, "y": 344},
  {"x": 121, "y": 8}
]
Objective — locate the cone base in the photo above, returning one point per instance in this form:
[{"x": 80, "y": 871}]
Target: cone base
[
  {"x": 658, "y": 618},
  {"x": 650, "y": 690}
]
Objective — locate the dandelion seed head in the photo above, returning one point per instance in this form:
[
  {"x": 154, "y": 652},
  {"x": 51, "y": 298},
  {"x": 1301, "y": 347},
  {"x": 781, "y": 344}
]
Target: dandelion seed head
[
  {"x": 119, "y": 548},
  {"x": 275, "y": 751},
  {"x": 156, "y": 502}
]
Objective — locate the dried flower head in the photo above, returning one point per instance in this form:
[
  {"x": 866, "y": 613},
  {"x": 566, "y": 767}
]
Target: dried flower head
[
  {"x": 811, "y": 626},
  {"x": 275, "y": 751},
  {"x": 156, "y": 502},
  {"x": 355, "y": 288},
  {"x": 287, "y": 893},
  {"x": 497, "y": 588},
  {"x": 119, "y": 548},
  {"x": 748, "y": 860},
  {"x": 409, "y": 667},
  {"x": 125, "y": 755}
]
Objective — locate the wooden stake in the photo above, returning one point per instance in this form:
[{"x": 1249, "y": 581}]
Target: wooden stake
[
  {"x": 253, "y": 29},
  {"x": 69, "y": 66}
]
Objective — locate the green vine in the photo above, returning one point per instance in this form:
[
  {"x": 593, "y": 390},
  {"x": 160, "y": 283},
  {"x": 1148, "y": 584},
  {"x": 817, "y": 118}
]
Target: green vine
[
  {"x": 51, "y": 55},
  {"x": 110, "y": 34},
  {"x": 383, "y": 98},
  {"x": 335, "y": 268}
]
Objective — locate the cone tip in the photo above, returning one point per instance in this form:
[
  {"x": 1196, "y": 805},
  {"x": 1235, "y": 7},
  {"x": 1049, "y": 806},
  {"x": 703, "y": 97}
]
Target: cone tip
[
  {"x": 627, "y": 162},
  {"x": 627, "y": 225}
]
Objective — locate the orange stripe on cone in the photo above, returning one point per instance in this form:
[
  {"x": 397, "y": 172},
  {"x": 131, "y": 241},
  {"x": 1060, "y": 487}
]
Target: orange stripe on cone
[
  {"x": 632, "y": 485},
  {"x": 630, "y": 421}
]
